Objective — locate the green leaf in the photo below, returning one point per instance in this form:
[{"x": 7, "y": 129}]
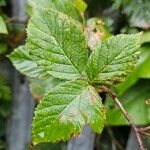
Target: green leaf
[
  {"x": 138, "y": 12},
  {"x": 57, "y": 44},
  {"x": 2, "y": 145},
  {"x": 2, "y": 2},
  {"x": 113, "y": 59},
  {"x": 144, "y": 69},
  {"x": 80, "y": 5},
  {"x": 64, "y": 111},
  {"x": 65, "y": 6},
  {"x": 145, "y": 38},
  {"x": 5, "y": 91},
  {"x": 3, "y": 28},
  {"x": 3, "y": 48},
  {"x": 39, "y": 87},
  {"x": 141, "y": 70},
  {"x": 23, "y": 62},
  {"x": 134, "y": 101},
  {"x": 117, "y": 3}
]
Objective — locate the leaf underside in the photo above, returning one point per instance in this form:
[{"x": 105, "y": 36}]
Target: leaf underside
[
  {"x": 57, "y": 44},
  {"x": 113, "y": 59},
  {"x": 65, "y": 110}
]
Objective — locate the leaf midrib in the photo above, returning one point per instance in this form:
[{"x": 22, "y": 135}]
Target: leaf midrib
[
  {"x": 60, "y": 44},
  {"x": 75, "y": 99}
]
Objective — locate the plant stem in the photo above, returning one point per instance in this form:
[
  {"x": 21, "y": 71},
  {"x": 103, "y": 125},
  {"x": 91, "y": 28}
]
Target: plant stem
[
  {"x": 145, "y": 129},
  {"x": 144, "y": 133},
  {"x": 126, "y": 115},
  {"x": 135, "y": 129}
]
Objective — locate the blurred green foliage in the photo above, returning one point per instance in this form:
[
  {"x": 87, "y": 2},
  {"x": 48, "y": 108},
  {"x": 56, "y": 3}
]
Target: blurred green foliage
[
  {"x": 2, "y": 2},
  {"x": 137, "y": 12},
  {"x": 5, "y": 109},
  {"x": 134, "y": 100},
  {"x": 3, "y": 28}
]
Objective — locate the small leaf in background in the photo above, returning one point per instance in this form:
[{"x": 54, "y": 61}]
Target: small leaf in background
[
  {"x": 80, "y": 5},
  {"x": 2, "y": 145},
  {"x": 59, "y": 45},
  {"x": 3, "y": 48},
  {"x": 3, "y": 28},
  {"x": 95, "y": 31},
  {"x": 23, "y": 62},
  {"x": 117, "y": 3},
  {"x": 113, "y": 59},
  {"x": 5, "y": 109},
  {"x": 65, "y": 6},
  {"x": 2, "y": 2},
  {"x": 145, "y": 37},
  {"x": 139, "y": 12},
  {"x": 134, "y": 102},
  {"x": 5, "y": 92},
  {"x": 64, "y": 111}
]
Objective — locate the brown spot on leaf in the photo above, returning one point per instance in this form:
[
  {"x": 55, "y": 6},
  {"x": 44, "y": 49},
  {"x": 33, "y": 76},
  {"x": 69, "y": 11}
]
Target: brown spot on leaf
[
  {"x": 91, "y": 99},
  {"x": 73, "y": 135},
  {"x": 59, "y": 140}
]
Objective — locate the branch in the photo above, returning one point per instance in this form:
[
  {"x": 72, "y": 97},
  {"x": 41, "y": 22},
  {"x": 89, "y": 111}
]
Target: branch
[
  {"x": 126, "y": 115},
  {"x": 144, "y": 131}
]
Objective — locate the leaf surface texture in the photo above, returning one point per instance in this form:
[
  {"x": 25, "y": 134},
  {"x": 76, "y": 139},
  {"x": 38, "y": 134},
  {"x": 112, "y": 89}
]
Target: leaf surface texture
[
  {"x": 64, "y": 111},
  {"x": 57, "y": 44},
  {"x": 113, "y": 59}
]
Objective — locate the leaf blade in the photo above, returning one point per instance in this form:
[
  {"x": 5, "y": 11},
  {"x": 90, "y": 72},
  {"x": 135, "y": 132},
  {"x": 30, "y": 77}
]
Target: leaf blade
[
  {"x": 3, "y": 28},
  {"x": 23, "y": 62},
  {"x": 59, "y": 44},
  {"x": 65, "y": 6},
  {"x": 69, "y": 107},
  {"x": 113, "y": 59}
]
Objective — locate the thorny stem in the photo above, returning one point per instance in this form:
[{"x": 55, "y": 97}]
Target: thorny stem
[{"x": 126, "y": 115}]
